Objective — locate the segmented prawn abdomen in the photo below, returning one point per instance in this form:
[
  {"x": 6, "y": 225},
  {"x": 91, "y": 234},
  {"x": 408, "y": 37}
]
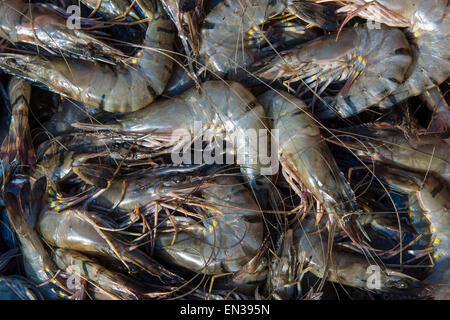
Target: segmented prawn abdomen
[
  {"x": 385, "y": 52},
  {"x": 156, "y": 61},
  {"x": 10, "y": 18},
  {"x": 431, "y": 65},
  {"x": 224, "y": 30}
]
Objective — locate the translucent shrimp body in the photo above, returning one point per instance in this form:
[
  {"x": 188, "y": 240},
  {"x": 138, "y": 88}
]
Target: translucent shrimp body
[
  {"x": 102, "y": 86},
  {"x": 83, "y": 231},
  {"x": 428, "y": 21},
  {"x": 220, "y": 48},
  {"x": 305, "y": 154},
  {"x": 114, "y": 284},
  {"x": 38, "y": 265},
  {"x": 226, "y": 240},
  {"x": 374, "y": 62},
  {"x": 345, "y": 268},
  {"x": 385, "y": 143},
  {"x": 34, "y": 24},
  {"x": 112, "y": 9},
  {"x": 218, "y": 108}
]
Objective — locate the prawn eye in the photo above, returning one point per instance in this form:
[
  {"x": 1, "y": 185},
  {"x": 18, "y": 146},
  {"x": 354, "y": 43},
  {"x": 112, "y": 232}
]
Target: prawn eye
[
  {"x": 403, "y": 284},
  {"x": 177, "y": 179},
  {"x": 400, "y": 284}
]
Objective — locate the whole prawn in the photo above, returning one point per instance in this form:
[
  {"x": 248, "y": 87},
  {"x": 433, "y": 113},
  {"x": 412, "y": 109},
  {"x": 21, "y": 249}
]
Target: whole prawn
[
  {"x": 306, "y": 159},
  {"x": 374, "y": 62},
  {"x": 228, "y": 237},
  {"x": 383, "y": 142},
  {"x": 428, "y": 22},
  {"x": 102, "y": 86},
  {"x": 219, "y": 107},
  {"x": 91, "y": 233},
  {"x": 345, "y": 268}
]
